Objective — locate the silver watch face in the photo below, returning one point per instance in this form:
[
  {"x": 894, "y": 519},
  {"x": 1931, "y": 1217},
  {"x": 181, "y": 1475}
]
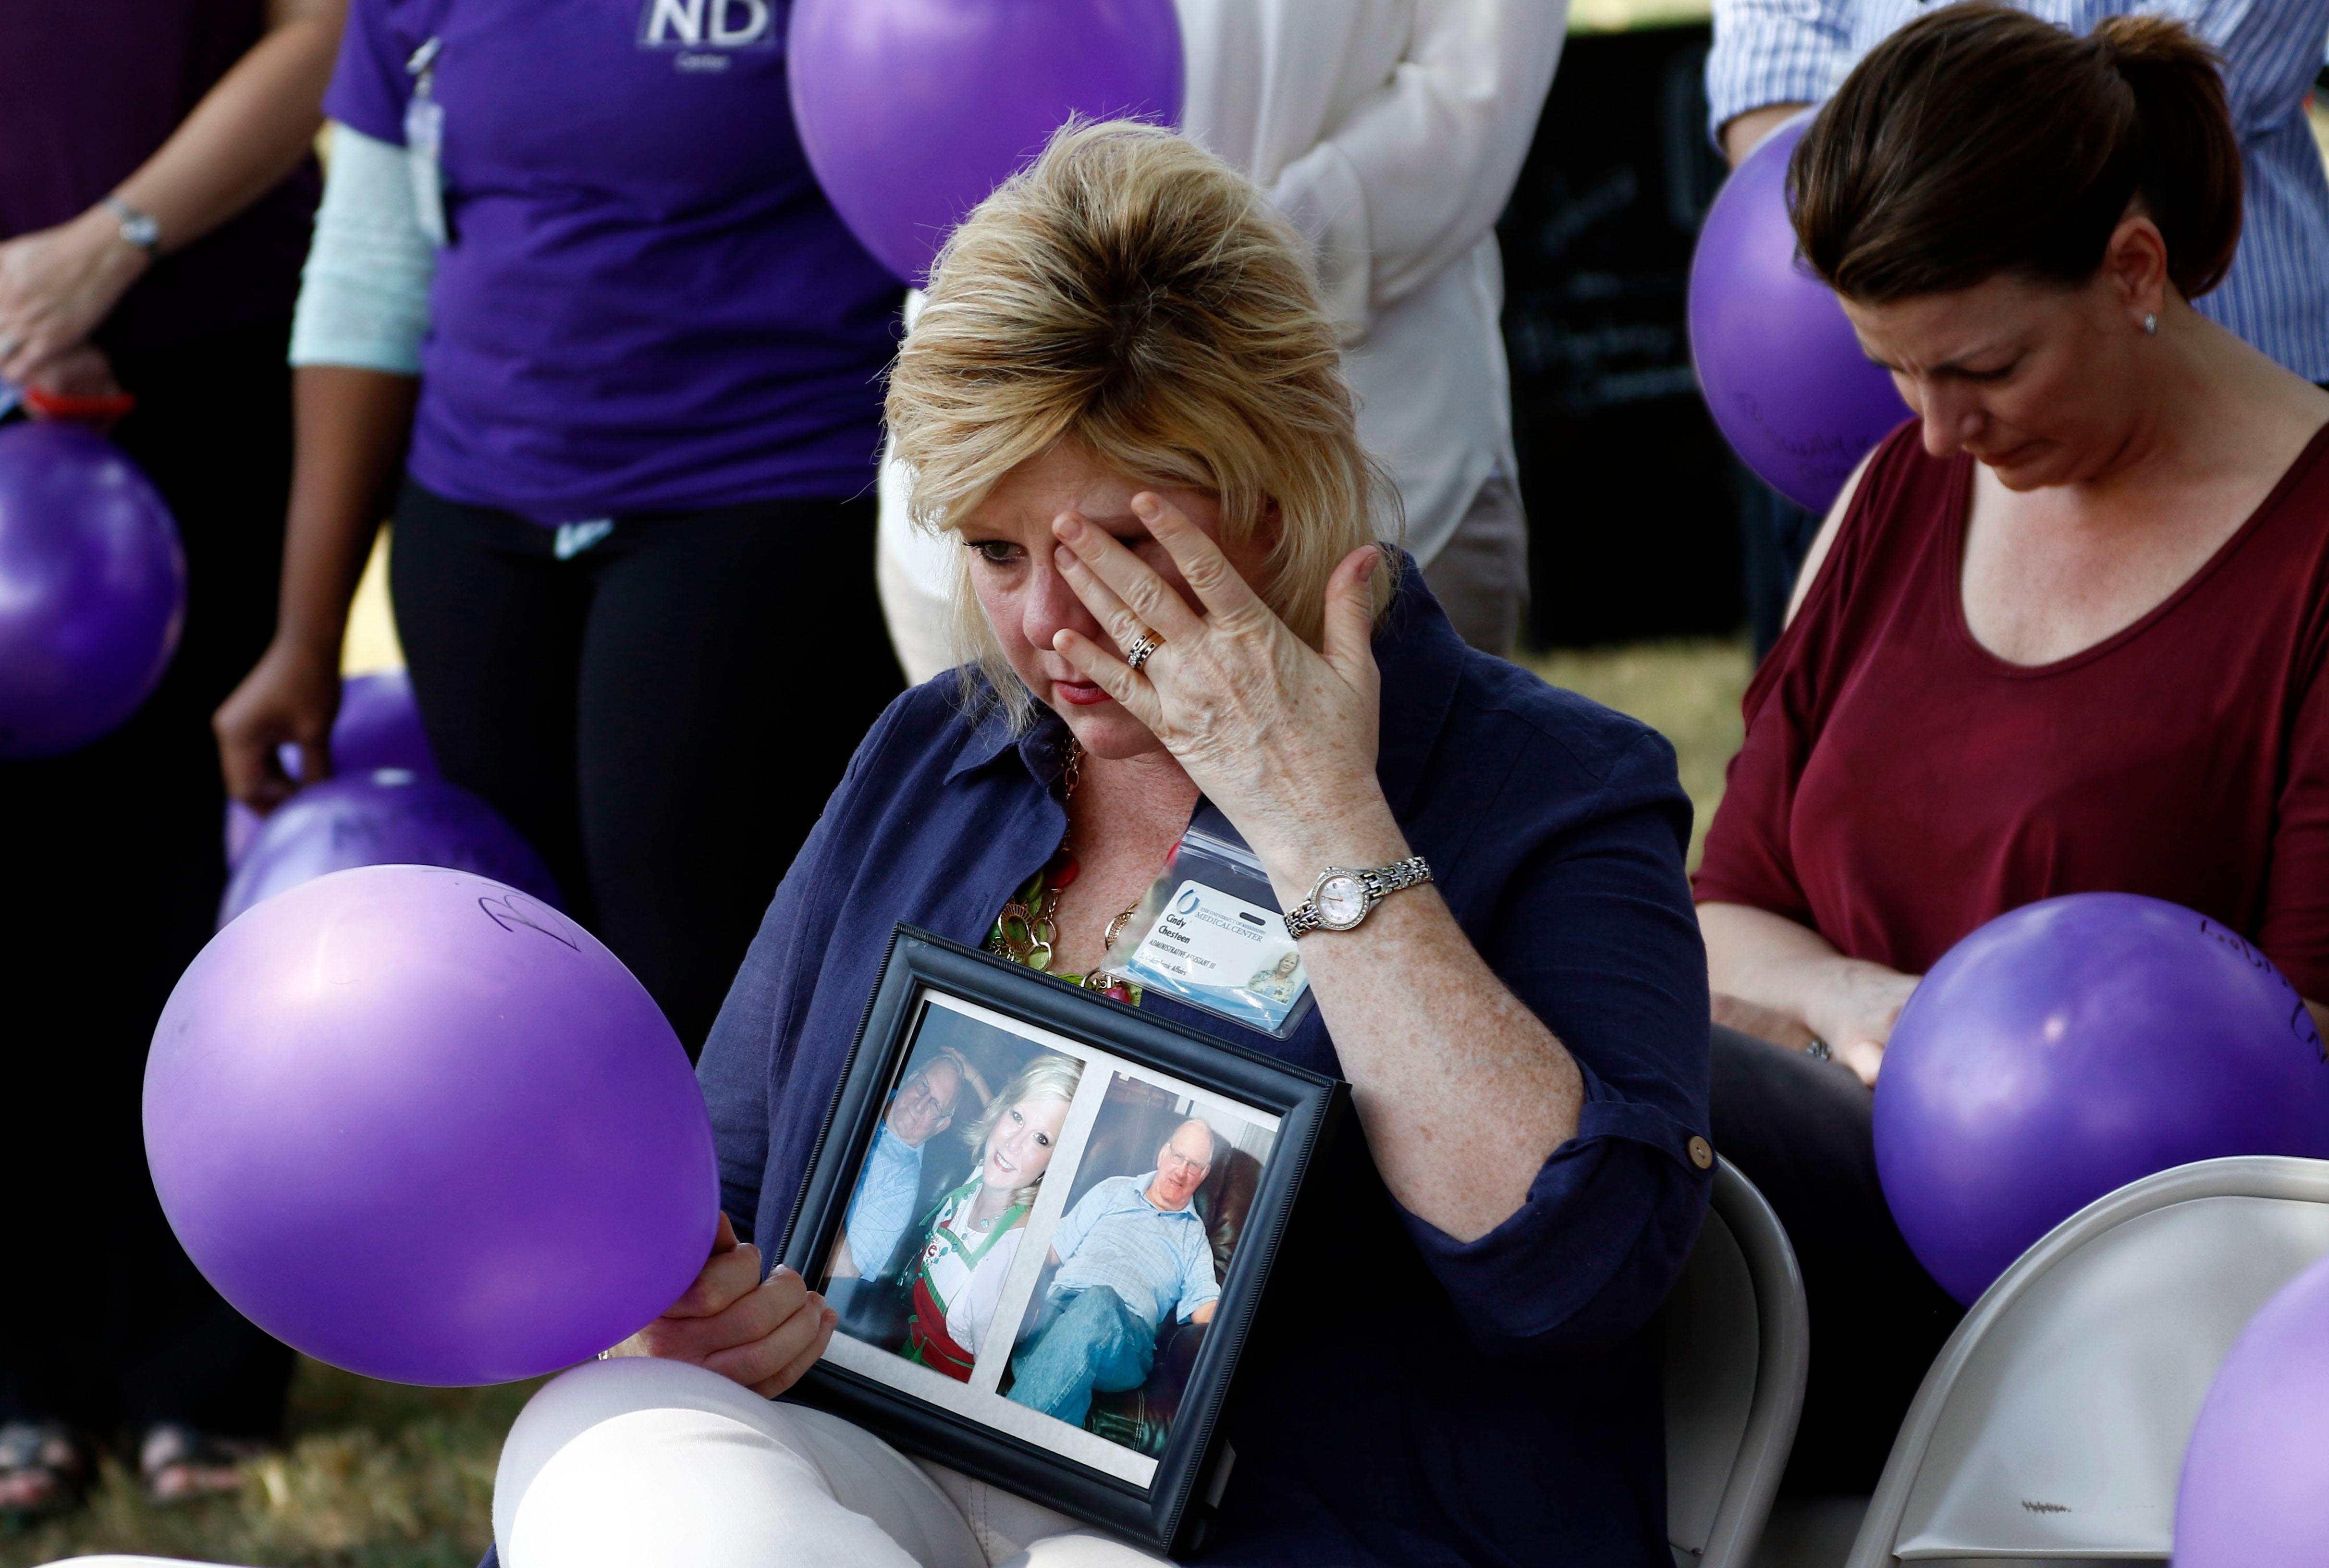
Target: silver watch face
[{"x": 1342, "y": 903}]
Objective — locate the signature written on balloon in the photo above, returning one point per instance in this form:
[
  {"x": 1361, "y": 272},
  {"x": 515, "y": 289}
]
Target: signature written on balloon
[
  {"x": 504, "y": 912},
  {"x": 2300, "y": 1016}
]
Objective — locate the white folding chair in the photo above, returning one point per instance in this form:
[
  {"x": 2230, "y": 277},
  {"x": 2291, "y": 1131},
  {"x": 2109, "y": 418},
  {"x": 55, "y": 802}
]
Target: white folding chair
[
  {"x": 2051, "y": 1428},
  {"x": 1736, "y": 1342}
]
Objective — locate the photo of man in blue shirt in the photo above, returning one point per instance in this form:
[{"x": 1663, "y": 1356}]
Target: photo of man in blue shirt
[
  {"x": 883, "y": 1205},
  {"x": 1132, "y": 1252}
]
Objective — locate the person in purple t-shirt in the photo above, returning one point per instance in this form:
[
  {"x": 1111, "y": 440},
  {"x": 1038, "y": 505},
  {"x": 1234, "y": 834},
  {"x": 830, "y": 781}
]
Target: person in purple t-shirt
[
  {"x": 156, "y": 188},
  {"x": 572, "y": 272}
]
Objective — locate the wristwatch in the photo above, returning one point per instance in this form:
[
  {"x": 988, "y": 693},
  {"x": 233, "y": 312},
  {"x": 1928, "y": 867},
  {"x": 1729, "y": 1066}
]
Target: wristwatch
[
  {"x": 1343, "y": 894},
  {"x": 137, "y": 228}
]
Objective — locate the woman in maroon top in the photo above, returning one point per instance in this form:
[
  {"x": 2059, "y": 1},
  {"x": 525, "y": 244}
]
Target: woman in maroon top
[{"x": 2062, "y": 633}]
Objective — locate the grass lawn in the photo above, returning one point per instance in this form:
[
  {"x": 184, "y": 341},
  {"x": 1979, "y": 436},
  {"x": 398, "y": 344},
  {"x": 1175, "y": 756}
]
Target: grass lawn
[
  {"x": 375, "y": 1475},
  {"x": 1687, "y": 690},
  {"x": 378, "y": 1475}
]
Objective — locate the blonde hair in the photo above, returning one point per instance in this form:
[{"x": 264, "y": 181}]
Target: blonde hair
[
  {"x": 1131, "y": 292},
  {"x": 1044, "y": 1075}
]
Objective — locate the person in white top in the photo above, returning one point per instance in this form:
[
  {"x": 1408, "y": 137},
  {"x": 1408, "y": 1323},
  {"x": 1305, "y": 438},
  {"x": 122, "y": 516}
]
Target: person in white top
[{"x": 1391, "y": 132}]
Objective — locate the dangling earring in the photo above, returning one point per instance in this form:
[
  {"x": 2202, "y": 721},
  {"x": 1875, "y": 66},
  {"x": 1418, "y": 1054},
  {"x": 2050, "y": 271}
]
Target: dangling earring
[{"x": 2149, "y": 324}]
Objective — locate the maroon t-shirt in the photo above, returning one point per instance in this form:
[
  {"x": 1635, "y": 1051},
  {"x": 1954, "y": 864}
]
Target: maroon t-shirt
[
  {"x": 1900, "y": 785},
  {"x": 89, "y": 88}
]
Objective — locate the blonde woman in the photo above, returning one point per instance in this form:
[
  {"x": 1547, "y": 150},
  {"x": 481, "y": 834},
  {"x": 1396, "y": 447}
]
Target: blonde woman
[
  {"x": 1123, "y": 402},
  {"x": 974, "y": 1233}
]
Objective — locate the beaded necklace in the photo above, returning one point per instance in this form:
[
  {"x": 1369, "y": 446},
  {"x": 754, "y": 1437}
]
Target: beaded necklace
[{"x": 1027, "y": 928}]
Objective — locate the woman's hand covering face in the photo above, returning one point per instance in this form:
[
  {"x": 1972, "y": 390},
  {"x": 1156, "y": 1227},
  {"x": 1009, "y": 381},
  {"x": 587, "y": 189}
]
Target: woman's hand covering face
[{"x": 1280, "y": 735}]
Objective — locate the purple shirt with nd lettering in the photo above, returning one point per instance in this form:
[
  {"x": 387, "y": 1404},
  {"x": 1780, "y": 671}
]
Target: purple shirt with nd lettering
[{"x": 646, "y": 304}]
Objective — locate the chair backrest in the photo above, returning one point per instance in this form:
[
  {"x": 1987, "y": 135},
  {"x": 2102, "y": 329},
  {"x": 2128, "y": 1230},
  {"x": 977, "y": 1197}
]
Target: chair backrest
[
  {"x": 2051, "y": 1428},
  {"x": 1737, "y": 1344}
]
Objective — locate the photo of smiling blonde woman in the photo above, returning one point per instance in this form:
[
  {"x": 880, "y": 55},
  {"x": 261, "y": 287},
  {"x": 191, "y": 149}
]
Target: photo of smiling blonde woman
[{"x": 974, "y": 1231}]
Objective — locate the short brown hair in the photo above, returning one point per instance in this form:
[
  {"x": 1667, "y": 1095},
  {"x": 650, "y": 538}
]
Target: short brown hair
[{"x": 1979, "y": 141}]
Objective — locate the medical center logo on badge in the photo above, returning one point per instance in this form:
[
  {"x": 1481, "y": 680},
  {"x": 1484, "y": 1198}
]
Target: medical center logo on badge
[{"x": 703, "y": 32}]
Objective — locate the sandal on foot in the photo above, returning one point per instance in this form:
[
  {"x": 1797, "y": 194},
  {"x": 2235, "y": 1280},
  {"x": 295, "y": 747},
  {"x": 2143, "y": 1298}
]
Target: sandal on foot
[
  {"x": 178, "y": 1463},
  {"x": 43, "y": 1469}
]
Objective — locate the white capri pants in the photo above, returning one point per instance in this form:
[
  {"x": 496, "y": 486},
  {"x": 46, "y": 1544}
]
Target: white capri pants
[{"x": 623, "y": 1462}]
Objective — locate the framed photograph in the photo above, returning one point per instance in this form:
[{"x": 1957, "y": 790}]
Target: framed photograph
[{"x": 1048, "y": 1222}]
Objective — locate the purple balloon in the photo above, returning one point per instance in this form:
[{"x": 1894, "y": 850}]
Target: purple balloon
[
  {"x": 390, "y": 817},
  {"x": 911, "y": 111},
  {"x": 421, "y": 1126},
  {"x": 378, "y": 726},
  {"x": 243, "y": 826},
  {"x": 92, "y": 588},
  {"x": 1783, "y": 372},
  {"x": 2071, "y": 1047},
  {"x": 2252, "y": 1490}
]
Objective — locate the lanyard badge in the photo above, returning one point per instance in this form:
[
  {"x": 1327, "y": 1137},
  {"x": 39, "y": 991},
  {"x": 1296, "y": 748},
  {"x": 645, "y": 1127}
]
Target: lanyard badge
[
  {"x": 424, "y": 142},
  {"x": 1210, "y": 933}
]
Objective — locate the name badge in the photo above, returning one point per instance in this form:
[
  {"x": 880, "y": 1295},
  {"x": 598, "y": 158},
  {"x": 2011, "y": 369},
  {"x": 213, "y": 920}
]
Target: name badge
[{"x": 1210, "y": 933}]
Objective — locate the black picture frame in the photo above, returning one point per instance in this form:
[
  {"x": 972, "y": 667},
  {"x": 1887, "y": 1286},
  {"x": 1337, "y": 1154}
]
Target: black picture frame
[{"x": 1170, "y": 1511}]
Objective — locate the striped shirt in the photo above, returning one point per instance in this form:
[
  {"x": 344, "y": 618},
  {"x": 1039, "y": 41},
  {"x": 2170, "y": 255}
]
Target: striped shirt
[
  {"x": 1158, "y": 1261},
  {"x": 2277, "y": 294}
]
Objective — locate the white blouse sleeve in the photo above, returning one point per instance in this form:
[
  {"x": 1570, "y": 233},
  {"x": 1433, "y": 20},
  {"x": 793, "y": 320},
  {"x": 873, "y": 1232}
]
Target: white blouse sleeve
[{"x": 1417, "y": 172}]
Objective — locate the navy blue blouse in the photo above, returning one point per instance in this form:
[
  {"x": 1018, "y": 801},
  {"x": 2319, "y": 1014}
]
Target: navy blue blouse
[{"x": 1417, "y": 1400}]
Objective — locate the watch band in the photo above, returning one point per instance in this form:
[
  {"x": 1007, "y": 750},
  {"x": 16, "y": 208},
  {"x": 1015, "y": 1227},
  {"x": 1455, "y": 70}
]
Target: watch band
[
  {"x": 137, "y": 228},
  {"x": 1375, "y": 884}
]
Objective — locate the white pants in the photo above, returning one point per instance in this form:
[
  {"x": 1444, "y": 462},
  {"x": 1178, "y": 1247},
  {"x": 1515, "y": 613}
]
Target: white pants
[{"x": 631, "y": 1461}]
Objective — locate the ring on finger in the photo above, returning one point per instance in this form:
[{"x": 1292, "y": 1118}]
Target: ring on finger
[
  {"x": 7, "y": 346},
  {"x": 1143, "y": 648}
]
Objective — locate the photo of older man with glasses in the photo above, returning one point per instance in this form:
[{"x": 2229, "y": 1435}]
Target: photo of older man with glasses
[
  {"x": 883, "y": 1205},
  {"x": 1130, "y": 1253}
]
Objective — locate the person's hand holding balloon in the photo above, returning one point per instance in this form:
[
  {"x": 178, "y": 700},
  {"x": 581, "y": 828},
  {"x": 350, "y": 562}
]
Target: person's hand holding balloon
[
  {"x": 79, "y": 373},
  {"x": 78, "y": 385},
  {"x": 57, "y": 284},
  {"x": 290, "y": 697},
  {"x": 761, "y": 1333}
]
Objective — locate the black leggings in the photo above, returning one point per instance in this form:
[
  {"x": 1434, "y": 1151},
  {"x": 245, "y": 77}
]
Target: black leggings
[
  {"x": 1799, "y": 1130},
  {"x": 663, "y": 714},
  {"x": 114, "y": 871}
]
